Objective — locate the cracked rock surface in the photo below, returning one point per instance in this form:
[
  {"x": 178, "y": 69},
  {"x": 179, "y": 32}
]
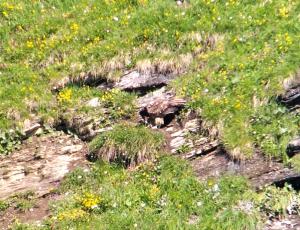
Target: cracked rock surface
[{"x": 40, "y": 164}]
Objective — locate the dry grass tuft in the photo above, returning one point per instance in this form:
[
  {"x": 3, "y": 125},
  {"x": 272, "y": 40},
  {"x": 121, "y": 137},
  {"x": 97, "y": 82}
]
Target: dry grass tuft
[
  {"x": 127, "y": 145},
  {"x": 292, "y": 81},
  {"x": 172, "y": 66}
]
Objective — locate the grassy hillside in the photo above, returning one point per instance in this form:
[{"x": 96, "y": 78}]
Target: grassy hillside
[
  {"x": 231, "y": 58},
  {"x": 233, "y": 79}
]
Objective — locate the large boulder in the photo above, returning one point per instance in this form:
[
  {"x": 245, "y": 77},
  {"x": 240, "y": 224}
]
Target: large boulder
[{"x": 136, "y": 81}]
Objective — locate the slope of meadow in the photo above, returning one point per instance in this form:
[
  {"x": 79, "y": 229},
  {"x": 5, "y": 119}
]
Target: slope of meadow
[
  {"x": 234, "y": 84},
  {"x": 231, "y": 58}
]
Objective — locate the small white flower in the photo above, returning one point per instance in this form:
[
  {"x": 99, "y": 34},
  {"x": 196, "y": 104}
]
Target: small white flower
[
  {"x": 216, "y": 188},
  {"x": 116, "y": 19},
  {"x": 199, "y": 203}
]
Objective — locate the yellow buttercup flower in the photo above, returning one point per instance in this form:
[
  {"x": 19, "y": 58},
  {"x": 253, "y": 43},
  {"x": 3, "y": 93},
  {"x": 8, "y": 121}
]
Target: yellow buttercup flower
[
  {"x": 74, "y": 27},
  {"x": 283, "y": 12},
  {"x": 65, "y": 95},
  {"x": 73, "y": 214},
  {"x": 29, "y": 44},
  {"x": 90, "y": 201}
]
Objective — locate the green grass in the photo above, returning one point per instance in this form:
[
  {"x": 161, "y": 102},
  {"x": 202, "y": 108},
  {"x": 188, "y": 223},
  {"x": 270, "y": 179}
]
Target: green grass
[
  {"x": 114, "y": 105},
  {"x": 22, "y": 202},
  {"x": 233, "y": 80},
  {"x": 232, "y": 57},
  {"x": 127, "y": 144},
  {"x": 237, "y": 87},
  {"x": 160, "y": 195}
]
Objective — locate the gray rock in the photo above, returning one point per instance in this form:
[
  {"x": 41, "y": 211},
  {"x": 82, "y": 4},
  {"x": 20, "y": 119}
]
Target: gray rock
[
  {"x": 293, "y": 147},
  {"x": 30, "y": 127},
  {"x": 160, "y": 107},
  {"x": 152, "y": 96},
  {"x": 40, "y": 164},
  {"x": 177, "y": 142},
  {"x": 180, "y": 133},
  {"x": 71, "y": 149},
  {"x": 135, "y": 81},
  {"x": 95, "y": 102},
  {"x": 192, "y": 125},
  {"x": 170, "y": 129},
  {"x": 291, "y": 96}
]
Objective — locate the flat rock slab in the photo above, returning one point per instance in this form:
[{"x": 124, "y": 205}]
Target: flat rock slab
[
  {"x": 40, "y": 164},
  {"x": 149, "y": 98},
  {"x": 136, "y": 81},
  {"x": 288, "y": 223},
  {"x": 259, "y": 170}
]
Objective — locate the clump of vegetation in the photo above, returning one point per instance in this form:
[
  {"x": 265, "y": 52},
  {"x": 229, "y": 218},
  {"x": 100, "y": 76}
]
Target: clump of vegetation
[
  {"x": 121, "y": 104},
  {"x": 164, "y": 192},
  {"x": 9, "y": 140},
  {"x": 23, "y": 201},
  {"x": 127, "y": 144},
  {"x": 279, "y": 202},
  {"x": 3, "y": 205},
  {"x": 295, "y": 162}
]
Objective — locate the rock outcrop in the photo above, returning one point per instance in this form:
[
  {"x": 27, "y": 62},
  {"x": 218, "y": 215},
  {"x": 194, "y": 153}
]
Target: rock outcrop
[
  {"x": 141, "y": 82},
  {"x": 160, "y": 107},
  {"x": 40, "y": 164}
]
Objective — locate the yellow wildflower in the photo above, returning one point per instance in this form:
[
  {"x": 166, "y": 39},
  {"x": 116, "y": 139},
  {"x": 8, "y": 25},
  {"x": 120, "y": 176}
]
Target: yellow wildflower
[
  {"x": 73, "y": 214},
  {"x": 283, "y": 12},
  {"x": 237, "y": 105},
  {"x": 5, "y": 14},
  {"x": 29, "y": 44},
  {"x": 65, "y": 95},
  {"x": 90, "y": 201},
  {"x": 74, "y": 27},
  {"x": 154, "y": 191}
]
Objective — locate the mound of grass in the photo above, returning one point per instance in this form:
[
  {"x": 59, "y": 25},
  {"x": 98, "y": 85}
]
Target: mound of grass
[
  {"x": 279, "y": 202},
  {"x": 127, "y": 144}
]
